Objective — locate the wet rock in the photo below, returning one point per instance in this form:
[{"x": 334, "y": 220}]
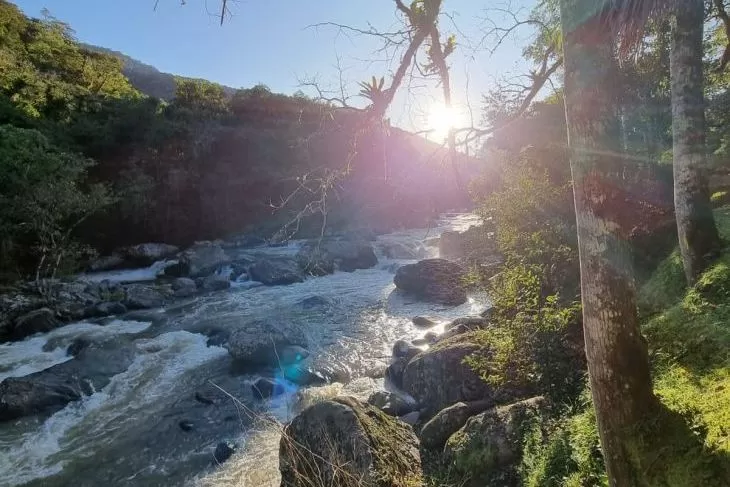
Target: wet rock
[
  {"x": 200, "y": 260},
  {"x": 215, "y": 282},
  {"x": 259, "y": 342},
  {"x": 448, "y": 421},
  {"x": 142, "y": 296},
  {"x": 320, "y": 258},
  {"x": 428, "y": 339},
  {"x": 77, "y": 346},
  {"x": 423, "y": 322},
  {"x": 433, "y": 280},
  {"x": 400, "y": 250},
  {"x": 494, "y": 436},
  {"x": 106, "y": 263},
  {"x": 464, "y": 325},
  {"x": 224, "y": 450},
  {"x": 302, "y": 375},
  {"x": 404, "y": 349},
  {"x": 186, "y": 425},
  {"x": 217, "y": 337},
  {"x": 276, "y": 271},
  {"x": 438, "y": 377},
  {"x": 394, "y": 372},
  {"x": 146, "y": 254},
  {"x": 53, "y": 388},
  {"x": 105, "y": 308},
  {"x": 184, "y": 287},
  {"x": 392, "y": 403},
  {"x": 38, "y": 321},
  {"x": 368, "y": 445},
  {"x": 265, "y": 388}
]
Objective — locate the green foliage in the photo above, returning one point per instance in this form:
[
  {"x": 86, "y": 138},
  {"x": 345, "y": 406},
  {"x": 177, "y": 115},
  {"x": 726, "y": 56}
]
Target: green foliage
[
  {"x": 200, "y": 96},
  {"x": 532, "y": 340},
  {"x": 42, "y": 200}
]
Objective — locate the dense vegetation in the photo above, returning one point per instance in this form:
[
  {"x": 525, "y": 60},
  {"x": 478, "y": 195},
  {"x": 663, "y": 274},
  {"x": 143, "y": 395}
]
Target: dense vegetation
[{"x": 124, "y": 167}]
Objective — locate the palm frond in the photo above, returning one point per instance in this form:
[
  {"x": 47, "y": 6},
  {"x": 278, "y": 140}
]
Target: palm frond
[{"x": 628, "y": 20}]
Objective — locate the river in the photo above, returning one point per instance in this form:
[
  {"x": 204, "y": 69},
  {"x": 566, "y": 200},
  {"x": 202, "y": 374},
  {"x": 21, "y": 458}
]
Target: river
[{"x": 159, "y": 422}]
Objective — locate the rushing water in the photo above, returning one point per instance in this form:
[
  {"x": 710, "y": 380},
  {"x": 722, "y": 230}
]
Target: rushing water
[{"x": 129, "y": 432}]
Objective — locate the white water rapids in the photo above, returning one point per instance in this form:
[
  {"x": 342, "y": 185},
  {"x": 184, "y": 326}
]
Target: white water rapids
[{"x": 128, "y": 432}]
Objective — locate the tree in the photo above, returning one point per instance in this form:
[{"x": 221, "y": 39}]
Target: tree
[
  {"x": 618, "y": 364},
  {"x": 698, "y": 237}
]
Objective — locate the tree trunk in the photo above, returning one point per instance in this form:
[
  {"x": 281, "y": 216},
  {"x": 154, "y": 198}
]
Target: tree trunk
[
  {"x": 698, "y": 237},
  {"x": 618, "y": 364}
]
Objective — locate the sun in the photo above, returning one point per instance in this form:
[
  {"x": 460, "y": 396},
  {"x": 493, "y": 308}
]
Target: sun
[{"x": 441, "y": 119}]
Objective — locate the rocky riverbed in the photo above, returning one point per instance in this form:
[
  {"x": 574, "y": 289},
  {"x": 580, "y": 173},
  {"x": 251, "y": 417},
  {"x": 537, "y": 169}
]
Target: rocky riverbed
[{"x": 150, "y": 376}]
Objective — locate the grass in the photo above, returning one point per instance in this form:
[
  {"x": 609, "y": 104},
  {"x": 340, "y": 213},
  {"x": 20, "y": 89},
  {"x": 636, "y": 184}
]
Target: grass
[{"x": 688, "y": 443}]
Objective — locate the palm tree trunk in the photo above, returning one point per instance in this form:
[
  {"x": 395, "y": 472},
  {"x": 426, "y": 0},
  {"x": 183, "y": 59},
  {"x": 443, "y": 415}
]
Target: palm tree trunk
[
  {"x": 698, "y": 235},
  {"x": 618, "y": 364}
]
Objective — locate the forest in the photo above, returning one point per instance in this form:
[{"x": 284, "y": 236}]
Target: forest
[{"x": 603, "y": 191}]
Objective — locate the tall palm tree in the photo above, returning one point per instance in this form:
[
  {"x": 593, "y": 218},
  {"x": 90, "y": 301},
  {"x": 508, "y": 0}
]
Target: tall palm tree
[
  {"x": 618, "y": 364},
  {"x": 698, "y": 236}
]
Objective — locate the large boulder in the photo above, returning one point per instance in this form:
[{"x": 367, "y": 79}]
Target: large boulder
[
  {"x": 143, "y": 296},
  {"x": 345, "y": 442},
  {"x": 320, "y": 258},
  {"x": 106, "y": 263},
  {"x": 492, "y": 440},
  {"x": 53, "y": 388},
  {"x": 38, "y": 321},
  {"x": 215, "y": 282},
  {"x": 263, "y": 343},
  {"x": 448, "y": 421},
  {"x": 146, "y": 254},
  {"x": 433, "y": 280},
  {"x": 200, "y": 260},
  {"x": 463, "y": 325},
  {"x": 439, "y": 377},
  {"x": 276, "y": 271}
]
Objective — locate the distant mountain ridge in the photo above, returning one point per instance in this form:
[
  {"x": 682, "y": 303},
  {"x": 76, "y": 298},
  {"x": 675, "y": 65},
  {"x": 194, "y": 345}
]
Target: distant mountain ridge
[{"x": 147, "y": 78}]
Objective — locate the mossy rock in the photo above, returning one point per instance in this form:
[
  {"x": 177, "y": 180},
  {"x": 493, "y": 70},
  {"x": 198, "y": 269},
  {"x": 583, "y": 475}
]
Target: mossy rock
[
  {"x": 346, "y": 443},
  {"x": 491, "y": 442}
]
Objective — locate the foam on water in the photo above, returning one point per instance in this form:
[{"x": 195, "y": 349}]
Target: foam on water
[
  {"x": 130, "y": 275},
  {"x": 18, "y": 359},
  {"x": 77, "y": 429}
]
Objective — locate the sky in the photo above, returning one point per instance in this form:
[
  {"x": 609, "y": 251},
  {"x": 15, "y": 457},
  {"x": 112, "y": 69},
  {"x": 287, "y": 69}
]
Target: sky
[{"x": 276, "y": 43}]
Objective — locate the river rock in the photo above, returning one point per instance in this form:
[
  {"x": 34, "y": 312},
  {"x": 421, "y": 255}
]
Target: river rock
[
  {"x": 106, "y": 263},
  {"x": 215, "y": 282},
  {"x": 105, "y": 308},
  {"x": 224, "y": 450},
  {"x": 494, "y": 436},
  {"x": 403, "y": 349},
  {"x": 276, "y": 271},
  {"x": 438, "y": 430},
  {"x": 146, "y": 254},
  {"x": 143, "y": 296},
  {"x": 439, "y": 377},
  {"x": 428, "y": 339},
  {"x": 184, "y": 287},
  {"x": 38, "y": 321},
  {"x": 464, "y": 325},
  {"x": 433, "y": 280},
  {"x": 265, "y": 388},
  {"x": 200, "y": 260},
  {"x": 259, "y": 342},
  {"x": 53, "y": 388},
  {"x": 394, "y": 372},
  {"x": 345, "y": 442},
  {"x": 320, "y": 258},
  {"x": 392, "y": 403},
  {"x": 423, "y": 322}
]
